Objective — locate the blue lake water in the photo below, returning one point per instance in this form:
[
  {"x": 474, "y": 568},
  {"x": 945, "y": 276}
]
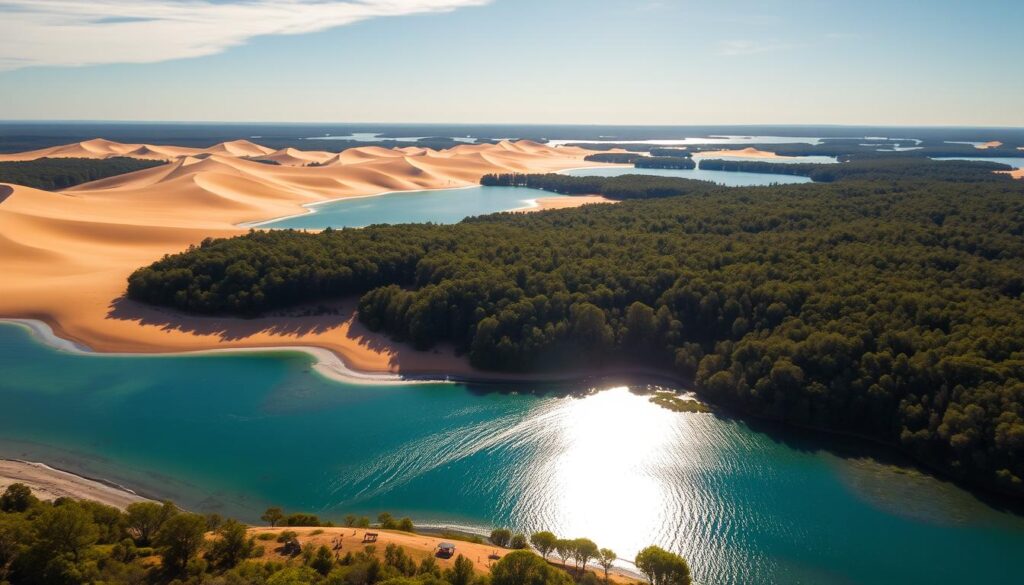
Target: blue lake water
[
  {"x": 439, "y": 206},
  {"x": 727, "y": 178},
  {"x": 234, "y": 433}
]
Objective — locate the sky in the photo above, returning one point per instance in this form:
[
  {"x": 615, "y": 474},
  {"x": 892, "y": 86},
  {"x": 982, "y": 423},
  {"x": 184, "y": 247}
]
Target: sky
[{"x": 871, "y": 62}]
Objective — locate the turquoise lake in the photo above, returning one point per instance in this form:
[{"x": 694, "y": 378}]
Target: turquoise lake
[
  {"x": 454, "y": 205},
  {"x": 438, "y": 206},
  {"x": 234, "y": 433}
]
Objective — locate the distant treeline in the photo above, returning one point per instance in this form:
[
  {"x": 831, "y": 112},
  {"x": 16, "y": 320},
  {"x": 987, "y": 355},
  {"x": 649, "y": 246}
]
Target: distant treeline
[
  {"x": 60, "y": 173},
  {"x": 648, "y": 162},
  {"x": 612, "y": 158},
  {"x": 868, "y": 169},
  {"x": 665, "y": 162},
  {"x": 621, "y": 187},
  {"x": 845, "y": 149}
]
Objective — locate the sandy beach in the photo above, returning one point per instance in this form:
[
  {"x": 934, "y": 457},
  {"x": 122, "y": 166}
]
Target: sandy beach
[
  {"x": 988, "y": 145},
  {"x": 565, "y": 202},
  {"x": 48, "y": 484},
  {"x": 66, "y": 255}
]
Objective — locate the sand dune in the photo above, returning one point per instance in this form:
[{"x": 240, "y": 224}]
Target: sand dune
[
  {"x": 66, "y": 256},
  {"x": 749, "y": 152},
  {"x": 987, "y": 145}
]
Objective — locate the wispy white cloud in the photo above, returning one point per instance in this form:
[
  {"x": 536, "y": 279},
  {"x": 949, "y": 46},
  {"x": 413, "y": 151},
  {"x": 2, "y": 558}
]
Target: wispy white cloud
[
  {"x": 92, "y": 32},
  {"x": 748, "y": 47}
]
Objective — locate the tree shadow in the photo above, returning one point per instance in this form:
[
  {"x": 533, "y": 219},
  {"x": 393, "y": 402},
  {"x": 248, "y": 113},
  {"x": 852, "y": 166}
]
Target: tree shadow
[{"x": 226, "y": 328}]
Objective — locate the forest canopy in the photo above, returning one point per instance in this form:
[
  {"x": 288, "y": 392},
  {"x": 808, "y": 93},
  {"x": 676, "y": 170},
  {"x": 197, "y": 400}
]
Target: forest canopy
[
  {"x": 51, "y": 174},
  {"x": 889, "y": 308}
]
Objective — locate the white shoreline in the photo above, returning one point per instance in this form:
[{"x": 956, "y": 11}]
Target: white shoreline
[{"x": 327, "y": 363}]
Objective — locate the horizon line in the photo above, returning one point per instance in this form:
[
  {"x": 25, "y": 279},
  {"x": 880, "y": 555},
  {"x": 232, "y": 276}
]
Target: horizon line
[{"x": 470, "y": 124}]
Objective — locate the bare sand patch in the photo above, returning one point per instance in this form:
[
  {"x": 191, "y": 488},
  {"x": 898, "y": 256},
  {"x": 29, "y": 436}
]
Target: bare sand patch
[
  {"x": 565, "y": 202},
  {"x": 749, "y": 152}
]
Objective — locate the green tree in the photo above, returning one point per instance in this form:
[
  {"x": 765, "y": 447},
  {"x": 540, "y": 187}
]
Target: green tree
[
  {"x": 564, "y": 549},
  {"x": 583, "y": 550},
  {"x": 232, "y": 545},
  {"x": 179, "y": 540},
  {"x": 272, "y": 516},
  {"x": 501, "y": 536},
  {"x": 525, "y": 568},
  {"x": 15, "y": 535},
  {"x": 518, "y": 541},
  {"x": 65, "y": 529},
  {"x": 461, "y": 572},
  {"x": 144, "y": 519},
  {"x": 606, "y": 558},
  {"x": 544, "y": 542},
  {"x": 662, "y": 567},
  {"x": 405, "y": 525},
  {"x": 322, "y": 562},
  {"x": 295, "y": 576},
  {"x": 386, "y": 520},
  {"x": 17, "y": 498}
]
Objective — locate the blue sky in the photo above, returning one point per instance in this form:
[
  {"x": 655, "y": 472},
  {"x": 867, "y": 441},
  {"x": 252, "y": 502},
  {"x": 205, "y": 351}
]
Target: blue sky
[{"x": 933, "y": 62}]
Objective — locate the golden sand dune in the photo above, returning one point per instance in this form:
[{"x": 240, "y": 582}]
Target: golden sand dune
[
  {"x": 100, "y": 148},
  {"x": 987, "y": 145},
  {"x": 749, "y": 152},
  {"x": 66, "y": 256}
]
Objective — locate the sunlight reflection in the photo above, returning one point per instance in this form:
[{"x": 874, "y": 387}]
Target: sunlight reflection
[{"x": 600, "y": 470}]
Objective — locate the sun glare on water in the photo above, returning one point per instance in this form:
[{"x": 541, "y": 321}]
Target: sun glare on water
[{"x": 600, "y": 470}]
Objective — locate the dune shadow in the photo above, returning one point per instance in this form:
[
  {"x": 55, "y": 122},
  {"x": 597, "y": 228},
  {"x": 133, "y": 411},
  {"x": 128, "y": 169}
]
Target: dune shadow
[{"x": 5, "y": 192}]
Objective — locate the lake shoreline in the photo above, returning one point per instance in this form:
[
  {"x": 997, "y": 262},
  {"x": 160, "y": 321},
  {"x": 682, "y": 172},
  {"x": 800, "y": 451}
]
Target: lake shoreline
[
  {"x": 49, "y": 482},
  {"x": 332, "y": 366}
]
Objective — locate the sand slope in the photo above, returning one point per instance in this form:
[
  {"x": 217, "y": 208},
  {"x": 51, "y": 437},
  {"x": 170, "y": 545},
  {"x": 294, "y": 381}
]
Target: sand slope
[
  {"x": 749, "y": 152},
  {"x": 66, "y": 256}
]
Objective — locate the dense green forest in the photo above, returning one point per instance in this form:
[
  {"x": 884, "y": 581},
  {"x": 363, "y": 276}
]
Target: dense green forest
[
  {"x": 874, "y": 169},
  {"x": 70, "y": 542},
  {"x": 889, "y": 308},
  {"x": 613, "y": 158},
  {"x": 665, "y": 162},
  {"x": 619, "y": 188},
  {"x": 60, "y": 173}
]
